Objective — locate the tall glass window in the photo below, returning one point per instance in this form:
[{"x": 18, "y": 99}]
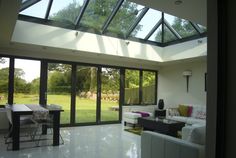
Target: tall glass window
[
  {"x": 26, "y": 81},
  {"x": 86, "y": 94},
  {"x": 132, "y": 78},
  {"x": 149, "y": 87},
  {"x": 59, "y": 88},
  {"x": 110, "y": 89},
  {"x": 4, "y": 74}
]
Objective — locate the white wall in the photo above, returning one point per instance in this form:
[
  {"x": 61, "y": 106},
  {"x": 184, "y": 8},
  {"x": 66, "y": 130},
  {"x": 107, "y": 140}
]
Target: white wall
[
  {"x": 189, "y": 49},
  {"x": 172, "y": 84}
]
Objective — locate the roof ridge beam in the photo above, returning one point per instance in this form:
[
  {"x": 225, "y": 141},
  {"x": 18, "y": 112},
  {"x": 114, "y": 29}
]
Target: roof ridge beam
[
  {"x": 196, "y": 27},
  {"x": 140, "y": 17},
  {"x": 115, "y": 10},
  {"x": 81, "y": 13},
  {"x": 48, "y": 9},
  {"x": 172, "y": 29},
  {"x": 153, "y": 29}
]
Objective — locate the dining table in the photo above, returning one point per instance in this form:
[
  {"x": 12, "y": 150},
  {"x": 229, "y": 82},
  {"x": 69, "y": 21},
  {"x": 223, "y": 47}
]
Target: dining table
[{"x": 19, "y": 110}]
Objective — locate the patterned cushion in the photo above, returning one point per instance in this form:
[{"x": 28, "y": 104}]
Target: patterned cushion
[
  {"x": 199, "y": 112},
  {"x": 173, "y": 112}
]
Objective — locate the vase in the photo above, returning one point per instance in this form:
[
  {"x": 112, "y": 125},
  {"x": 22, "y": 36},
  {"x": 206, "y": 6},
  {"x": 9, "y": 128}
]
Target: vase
[{"x": 161, "y": 104}]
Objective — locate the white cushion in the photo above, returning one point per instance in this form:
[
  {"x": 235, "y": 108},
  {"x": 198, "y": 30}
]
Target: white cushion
[
  {"x": 131, "y": 115},
  {"x": 197, "y": 135},
  {"x": 199, "y": 111}
]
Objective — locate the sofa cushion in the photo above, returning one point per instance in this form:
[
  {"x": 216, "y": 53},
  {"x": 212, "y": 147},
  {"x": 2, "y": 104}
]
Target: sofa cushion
[
  {"x": 197, "y": 135},
  {"x": 188, "y": 120},
  {"x": 183, "y": 110},
  {"x": 172, "y": 112},
  {"x": 199, "y": 112}
]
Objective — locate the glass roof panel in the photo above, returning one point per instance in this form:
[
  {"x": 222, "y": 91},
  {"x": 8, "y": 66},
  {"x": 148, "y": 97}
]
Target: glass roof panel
[
  {"x": 168, "y": 35},
  {"x": 125, "y": 17},
  {"x": 65, "y": 10},
  {"x": 97, "y": 12},
  {"x": 157, "y": 35},
  {"x": 37, "y": 10},
  {"x": 23, "y": 1},
  {"x": 202, "y": 28},
  {"x": 181, "y": 26},
  {"x": 146, "y": 24}
]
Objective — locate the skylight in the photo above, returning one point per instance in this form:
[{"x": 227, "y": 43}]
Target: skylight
[
  {"x": 146, "y": 24},
  {"x": 37, "y": 10},
  {"x": 65, "y": 10},
  {"x": 125, "y": 17},
  {"x": 117, "y": 18},
  {"x": 96, "y": 13},
  {"x": 181, "y": 26}
]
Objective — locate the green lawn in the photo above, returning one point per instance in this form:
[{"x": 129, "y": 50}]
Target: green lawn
[{"x": 85, "y": 108}]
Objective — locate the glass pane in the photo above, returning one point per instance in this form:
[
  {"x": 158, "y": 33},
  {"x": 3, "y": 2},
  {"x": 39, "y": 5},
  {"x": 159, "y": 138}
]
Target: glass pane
[
  {"x": 202, "y": 28},
  {"x": 125, "y": 17},
  {"x": 157, "y": 35},
  {"x": 149, "y": 87},
  {"x": 86, "y": 94},
  {"x": 23, "y": 1},
  {"x": 4, "y": 74},
  {"x": 97, "y": 13},
  {"x": 65, "y": 10},
  {"x": 37, "y": 10},
  {"x": 147, "y": 23},
  {"x": 131, "y": 86},
  {"x": 59, "y": 88},
  {"x": 26, "y": 81},
  {"x": 110, "y": 89},
  {"x": 183, "y": 27},
  {"x": 168, "y": 35}
]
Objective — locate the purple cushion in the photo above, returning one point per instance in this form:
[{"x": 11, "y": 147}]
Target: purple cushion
[{"x": 143, "y": 114}]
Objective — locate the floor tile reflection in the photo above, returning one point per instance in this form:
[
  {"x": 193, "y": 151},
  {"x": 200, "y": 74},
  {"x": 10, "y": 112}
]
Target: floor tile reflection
[{"x": 104, "y": 141}]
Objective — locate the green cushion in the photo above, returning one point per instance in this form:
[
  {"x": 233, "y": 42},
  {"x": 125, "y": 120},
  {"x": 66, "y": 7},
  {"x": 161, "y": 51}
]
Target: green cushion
[{"x": 183, "y": 110}]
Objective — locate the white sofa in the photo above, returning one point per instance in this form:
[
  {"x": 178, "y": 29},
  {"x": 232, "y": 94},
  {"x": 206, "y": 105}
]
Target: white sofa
[
  {"x": 198, "y": 115},
  {"x": 156, "y": 145}
]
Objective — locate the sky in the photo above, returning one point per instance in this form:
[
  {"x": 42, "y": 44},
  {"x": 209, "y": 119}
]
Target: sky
[{"x": 30, "y": 67}]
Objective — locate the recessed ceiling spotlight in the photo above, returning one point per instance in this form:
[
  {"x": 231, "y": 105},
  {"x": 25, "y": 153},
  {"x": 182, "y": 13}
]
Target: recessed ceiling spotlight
[{"x": 178, "y": 2}]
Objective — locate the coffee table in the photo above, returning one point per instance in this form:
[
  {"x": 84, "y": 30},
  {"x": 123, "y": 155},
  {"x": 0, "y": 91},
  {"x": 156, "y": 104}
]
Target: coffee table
[{"x": 161, "y": 125}]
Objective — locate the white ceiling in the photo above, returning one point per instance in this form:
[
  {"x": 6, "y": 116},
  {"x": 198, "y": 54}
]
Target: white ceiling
[{"x": 193, "y": 10}]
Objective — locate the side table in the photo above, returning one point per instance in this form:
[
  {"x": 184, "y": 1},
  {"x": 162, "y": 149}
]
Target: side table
[{"x": 160, "y": 113}]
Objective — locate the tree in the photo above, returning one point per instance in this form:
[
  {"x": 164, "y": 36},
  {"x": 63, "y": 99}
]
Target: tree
[
  {"x": 98, "y": 12},
  {"x": 4, "y": 73},
  {"x": 2, "y": 60},
  {"x": 68, "y": 14}
]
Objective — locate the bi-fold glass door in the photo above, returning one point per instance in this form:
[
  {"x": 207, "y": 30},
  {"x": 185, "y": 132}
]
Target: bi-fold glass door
[
  {"x": 87, "y": 94},
  {"x": 110, "y": 94}
]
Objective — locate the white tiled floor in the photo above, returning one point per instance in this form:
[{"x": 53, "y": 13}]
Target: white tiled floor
[{"x": 104, "y": 141}]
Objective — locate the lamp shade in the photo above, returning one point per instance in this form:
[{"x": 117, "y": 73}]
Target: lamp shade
[{"x": 161, "y": 104}]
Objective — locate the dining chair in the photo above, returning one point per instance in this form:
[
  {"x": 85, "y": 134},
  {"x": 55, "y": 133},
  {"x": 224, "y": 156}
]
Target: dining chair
[
  {"x": 47, "y": 121},
  {"x": 27, "y": 127}
]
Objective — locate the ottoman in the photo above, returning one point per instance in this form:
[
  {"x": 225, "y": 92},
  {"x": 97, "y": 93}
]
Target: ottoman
[{"x": 132, "y": 117}]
